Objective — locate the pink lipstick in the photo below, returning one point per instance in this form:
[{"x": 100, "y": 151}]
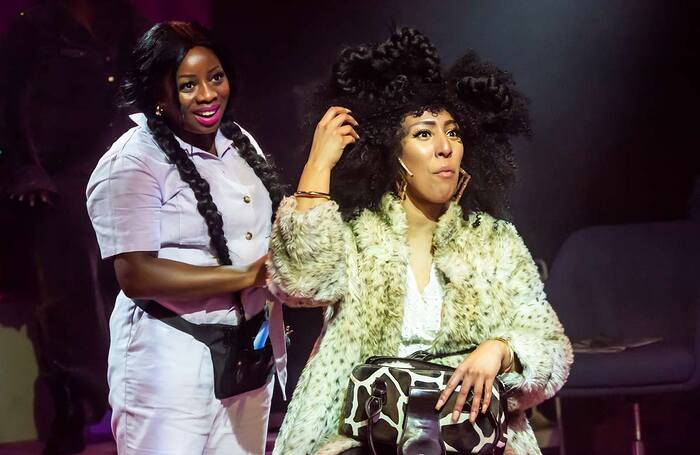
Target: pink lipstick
[{"x": 208, "y": 116}]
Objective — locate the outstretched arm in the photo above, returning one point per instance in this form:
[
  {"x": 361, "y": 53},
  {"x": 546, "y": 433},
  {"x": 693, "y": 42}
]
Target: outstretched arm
[{"x": 142, "y": 275}]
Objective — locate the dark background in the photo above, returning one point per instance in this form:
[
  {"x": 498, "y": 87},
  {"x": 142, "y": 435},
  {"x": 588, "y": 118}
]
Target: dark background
[
  {"x": 612, "y": 83},
  {"x": 612, "y": 87},
  {"x": 613, "y": 90}
]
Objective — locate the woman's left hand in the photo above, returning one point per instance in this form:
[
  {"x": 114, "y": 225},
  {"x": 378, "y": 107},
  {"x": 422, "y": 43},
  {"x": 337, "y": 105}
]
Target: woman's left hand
[{"x": 477, "y": 371}]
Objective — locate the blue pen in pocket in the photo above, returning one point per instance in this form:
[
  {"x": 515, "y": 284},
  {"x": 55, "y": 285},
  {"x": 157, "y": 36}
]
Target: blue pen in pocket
[{"x": 261, "y": 337}]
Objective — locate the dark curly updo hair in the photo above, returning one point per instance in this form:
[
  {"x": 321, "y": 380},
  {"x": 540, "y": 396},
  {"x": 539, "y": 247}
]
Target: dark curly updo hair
[
  {"x": 155, "y": 60},
  {"x": 383, "y": 83}
]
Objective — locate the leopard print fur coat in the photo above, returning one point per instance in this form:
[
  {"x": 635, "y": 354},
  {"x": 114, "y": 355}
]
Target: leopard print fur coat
[{"x": 357, "y": 271}]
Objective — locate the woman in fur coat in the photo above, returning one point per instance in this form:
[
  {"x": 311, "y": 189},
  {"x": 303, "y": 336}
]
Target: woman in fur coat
[{"x": 407, "y": 247}]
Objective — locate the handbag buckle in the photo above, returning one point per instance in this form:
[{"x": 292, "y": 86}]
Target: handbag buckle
[
  {"x": 376, "y": 401},
  {"x": 379, "y": 390}
]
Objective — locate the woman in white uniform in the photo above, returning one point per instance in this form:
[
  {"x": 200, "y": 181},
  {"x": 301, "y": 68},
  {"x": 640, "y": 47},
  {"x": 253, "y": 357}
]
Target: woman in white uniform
[{"x": 183, "y": 202}]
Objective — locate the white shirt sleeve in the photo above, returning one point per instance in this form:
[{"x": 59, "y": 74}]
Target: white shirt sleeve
[{"x": 124, "y": 203}]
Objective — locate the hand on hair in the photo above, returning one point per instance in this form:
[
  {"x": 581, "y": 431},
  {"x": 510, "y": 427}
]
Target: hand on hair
[
  {"x": 477, "y": 371},
  {"x": 333, "y": 133}
]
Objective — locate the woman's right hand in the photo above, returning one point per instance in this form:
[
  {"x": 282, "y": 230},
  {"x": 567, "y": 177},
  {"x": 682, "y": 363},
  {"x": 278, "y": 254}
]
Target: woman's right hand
[{"x": 333, "y": 133}]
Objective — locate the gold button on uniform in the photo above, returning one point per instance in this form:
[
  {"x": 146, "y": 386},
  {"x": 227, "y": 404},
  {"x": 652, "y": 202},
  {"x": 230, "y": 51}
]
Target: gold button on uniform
[
  {"x": 248, "y": 236},
  {"x": 110, "y": 78},
  {"x": 246, "y": 199}
]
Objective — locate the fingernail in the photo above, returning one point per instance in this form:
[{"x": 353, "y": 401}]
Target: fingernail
[
  {"x": 455, "y": 416},
  {"x": 439, "y": 404},
  {"x": 483, "y": 409}
]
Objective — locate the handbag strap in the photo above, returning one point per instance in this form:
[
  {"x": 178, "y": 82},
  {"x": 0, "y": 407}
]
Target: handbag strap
[
  {"x": 421, "y": 428},
  {"x": 427, "y": 356},
  {"x": 204, "y": 333},
  {"x": 418, "y": 358},
  {"x": 167, "y": 316},
  {"x": 373, "y": 408}
]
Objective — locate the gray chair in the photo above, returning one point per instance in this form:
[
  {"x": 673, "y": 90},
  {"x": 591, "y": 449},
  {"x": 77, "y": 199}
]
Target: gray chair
[{"x": 631, "y": 281}]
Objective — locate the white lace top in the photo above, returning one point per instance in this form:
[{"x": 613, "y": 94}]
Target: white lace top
[{"x": 421, "y": 313}]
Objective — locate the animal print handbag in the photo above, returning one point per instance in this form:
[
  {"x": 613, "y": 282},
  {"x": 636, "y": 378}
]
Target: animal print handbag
[{"x": 390, "y": 406}]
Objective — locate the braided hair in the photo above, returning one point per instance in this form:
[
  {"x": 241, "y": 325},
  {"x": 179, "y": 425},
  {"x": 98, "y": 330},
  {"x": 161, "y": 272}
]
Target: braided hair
[
  {"x": 383, "y": 83},
  {"x": 155, "y": 59}
]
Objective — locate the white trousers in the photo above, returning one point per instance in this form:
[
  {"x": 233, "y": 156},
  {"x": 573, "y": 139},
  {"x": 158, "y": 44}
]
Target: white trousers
[{"x": 162, "y": 394}]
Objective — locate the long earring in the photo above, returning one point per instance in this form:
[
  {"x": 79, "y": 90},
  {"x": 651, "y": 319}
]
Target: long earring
[
  {"x": 402, "y": 182},
  {"x": 464, "y": 178},
  {"x": 401, "y": 185},
  {"x": 406, "y": 170},
  {"x": 160, "y": 110}
]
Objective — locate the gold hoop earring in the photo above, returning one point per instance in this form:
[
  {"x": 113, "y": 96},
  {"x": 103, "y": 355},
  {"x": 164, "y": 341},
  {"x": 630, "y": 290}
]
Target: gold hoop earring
[
  {"x": 403, "y": 165},
  {"x": 160, "y": 110},
  {"x": 464, "y": 178}
]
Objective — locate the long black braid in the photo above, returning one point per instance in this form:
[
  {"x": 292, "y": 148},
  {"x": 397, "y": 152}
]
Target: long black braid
[{"x": 200, "y": 187}]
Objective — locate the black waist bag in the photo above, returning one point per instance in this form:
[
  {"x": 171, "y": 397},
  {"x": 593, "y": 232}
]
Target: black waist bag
[{"x": 238, "y": 367}]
